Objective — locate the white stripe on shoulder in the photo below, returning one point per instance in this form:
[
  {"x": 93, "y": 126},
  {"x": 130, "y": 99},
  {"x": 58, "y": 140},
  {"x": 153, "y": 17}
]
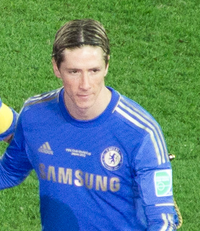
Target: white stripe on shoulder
[
  {"x": 47, "y": 96},
  {"x": 137, "y": 123},
  {"x": 142, "y": 120}
]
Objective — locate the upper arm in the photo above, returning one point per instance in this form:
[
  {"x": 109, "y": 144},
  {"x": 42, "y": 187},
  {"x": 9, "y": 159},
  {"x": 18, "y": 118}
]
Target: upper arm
[{"x": 14, "y": 164}]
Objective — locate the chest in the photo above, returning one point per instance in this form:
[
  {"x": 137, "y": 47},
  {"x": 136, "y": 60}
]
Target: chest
[{"x": 87, "y": 154}]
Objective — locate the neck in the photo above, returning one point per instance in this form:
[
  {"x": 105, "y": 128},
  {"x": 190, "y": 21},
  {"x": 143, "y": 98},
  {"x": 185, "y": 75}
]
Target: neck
[{"x": 92, "y": 112}]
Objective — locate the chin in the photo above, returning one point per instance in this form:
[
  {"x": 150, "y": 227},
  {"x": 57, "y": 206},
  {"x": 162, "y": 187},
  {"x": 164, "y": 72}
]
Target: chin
[{"x": 84, "y": 107}]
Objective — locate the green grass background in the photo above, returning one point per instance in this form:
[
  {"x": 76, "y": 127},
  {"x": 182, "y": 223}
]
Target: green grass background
[{"x": 155, "y": 60}]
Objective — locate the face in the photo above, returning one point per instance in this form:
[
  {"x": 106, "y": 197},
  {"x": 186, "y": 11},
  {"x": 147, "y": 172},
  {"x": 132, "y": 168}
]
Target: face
[{"x": 82, "y": 72}]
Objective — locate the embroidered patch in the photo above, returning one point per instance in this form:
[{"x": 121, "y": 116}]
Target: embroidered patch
[
  {"x": 111, "y": 158},
  {"x": 163, "y": 183}
]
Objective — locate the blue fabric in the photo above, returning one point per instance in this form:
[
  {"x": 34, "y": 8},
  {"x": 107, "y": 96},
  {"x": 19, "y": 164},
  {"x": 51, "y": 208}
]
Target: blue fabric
[{"x": 93, "y": 175}]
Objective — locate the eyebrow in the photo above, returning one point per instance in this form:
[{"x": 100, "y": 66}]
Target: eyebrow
[{"x": 75, "y": 68}]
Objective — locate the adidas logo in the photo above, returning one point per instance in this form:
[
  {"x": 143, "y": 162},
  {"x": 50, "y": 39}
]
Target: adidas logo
[{"x": 45, "y": 148}]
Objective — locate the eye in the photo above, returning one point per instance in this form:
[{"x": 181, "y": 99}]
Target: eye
[
  {"x": 95, "y": 70},
  {"x": 73, "y": 71}
]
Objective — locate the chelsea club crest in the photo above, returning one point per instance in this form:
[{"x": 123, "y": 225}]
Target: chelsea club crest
[{"x": 111, "y": 158}]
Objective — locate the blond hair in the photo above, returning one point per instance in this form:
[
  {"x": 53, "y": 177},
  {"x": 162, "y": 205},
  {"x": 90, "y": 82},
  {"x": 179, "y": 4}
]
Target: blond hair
[{"x": 77, "y": 33}]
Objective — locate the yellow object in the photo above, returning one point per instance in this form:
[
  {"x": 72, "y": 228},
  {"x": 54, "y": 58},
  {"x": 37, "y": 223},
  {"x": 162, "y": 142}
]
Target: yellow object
[
  {"x": 180, "y": 218},
  {"x": 6, "y": 118}
]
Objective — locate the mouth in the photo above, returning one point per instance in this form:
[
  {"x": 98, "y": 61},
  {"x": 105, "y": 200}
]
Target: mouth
[{"x": 84, "y": 96}]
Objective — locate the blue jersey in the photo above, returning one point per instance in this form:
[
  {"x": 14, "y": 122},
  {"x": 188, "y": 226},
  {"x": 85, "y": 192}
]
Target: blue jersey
[{"x": 109, "y": 173}]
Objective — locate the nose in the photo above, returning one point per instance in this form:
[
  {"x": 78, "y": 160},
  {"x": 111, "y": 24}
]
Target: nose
[{"x": 85, "y": 81}]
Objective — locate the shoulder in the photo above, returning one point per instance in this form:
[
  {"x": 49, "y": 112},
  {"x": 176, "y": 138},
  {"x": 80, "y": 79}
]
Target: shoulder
[
  {"x": 136, "y": 117},
  {"x": 42, "y": 98},
  {"x": 134, "y": 113},
  {"x": 42, "y": 103}
]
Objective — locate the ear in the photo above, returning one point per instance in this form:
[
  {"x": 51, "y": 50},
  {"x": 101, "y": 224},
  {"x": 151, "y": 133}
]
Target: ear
[
  {"x": 106, "y": 70},
  {"x": 55, "y": 69},
  {"x": 107, "y": 66}
]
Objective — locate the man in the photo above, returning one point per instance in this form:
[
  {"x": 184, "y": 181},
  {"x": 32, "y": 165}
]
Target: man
[{"x": 100, "y": 158}]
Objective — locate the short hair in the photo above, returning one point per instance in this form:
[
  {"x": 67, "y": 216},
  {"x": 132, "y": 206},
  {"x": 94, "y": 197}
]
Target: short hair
[{"x": 77, "y": 33}]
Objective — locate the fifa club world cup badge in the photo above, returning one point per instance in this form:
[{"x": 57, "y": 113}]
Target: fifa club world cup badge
[
  {"x": 163, "y": 182},
  {"x": 111, "y": 158}
]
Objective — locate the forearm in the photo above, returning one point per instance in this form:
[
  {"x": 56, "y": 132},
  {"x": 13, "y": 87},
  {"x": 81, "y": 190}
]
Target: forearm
[
  {"x": 13, "y": 171},
  {"x": 157, "y": 196},
  {"x": 161, "y": 217},
  {"x": 14, "y": 164},
  {"x": 7, "y": 180}
]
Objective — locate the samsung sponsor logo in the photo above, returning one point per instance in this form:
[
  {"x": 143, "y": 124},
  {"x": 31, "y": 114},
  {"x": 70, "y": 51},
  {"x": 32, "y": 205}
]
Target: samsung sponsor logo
[{"x": 79, "y": 178}]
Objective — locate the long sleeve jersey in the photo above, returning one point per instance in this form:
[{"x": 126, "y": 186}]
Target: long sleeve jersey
[{"x": 111, "y": 173}]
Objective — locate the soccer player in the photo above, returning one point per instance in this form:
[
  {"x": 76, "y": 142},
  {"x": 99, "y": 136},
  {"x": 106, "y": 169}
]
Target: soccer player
[{"x": 100, "y": 158}]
